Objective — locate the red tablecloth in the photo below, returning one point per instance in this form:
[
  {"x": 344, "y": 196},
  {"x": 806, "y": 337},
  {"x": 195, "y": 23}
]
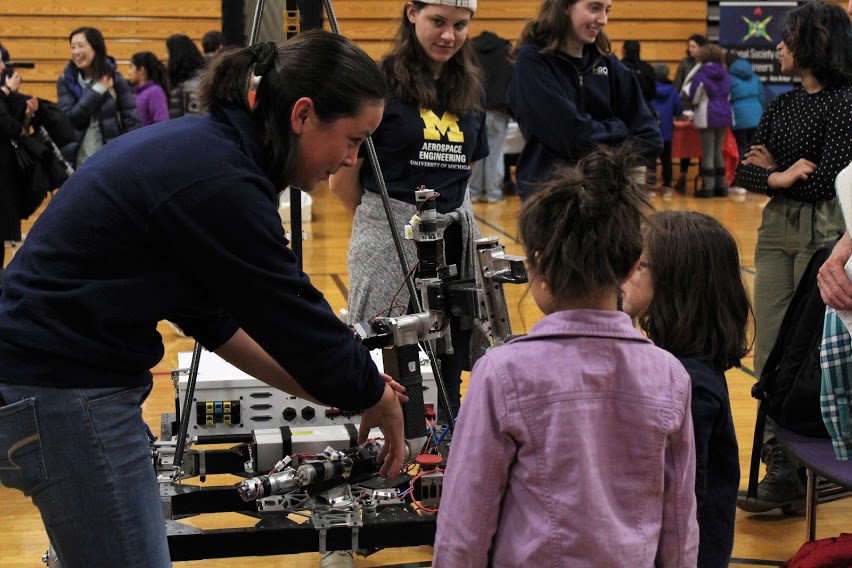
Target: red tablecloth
[{"x": 686, "y": 143}]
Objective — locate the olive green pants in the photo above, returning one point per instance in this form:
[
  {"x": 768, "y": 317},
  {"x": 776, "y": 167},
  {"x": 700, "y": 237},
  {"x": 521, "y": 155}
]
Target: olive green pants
[{"x": 789, "y": 234}]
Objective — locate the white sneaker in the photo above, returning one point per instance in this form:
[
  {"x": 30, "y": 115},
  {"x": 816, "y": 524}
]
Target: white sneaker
[{"x": 737, "y": 189}]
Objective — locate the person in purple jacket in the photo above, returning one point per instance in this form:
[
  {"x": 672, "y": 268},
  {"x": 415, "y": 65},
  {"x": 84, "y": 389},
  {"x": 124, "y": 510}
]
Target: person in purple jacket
[
  {"x": 575, "y": 446},
  {"x": 709, "y": 87},
  {"x": 147, "y": 76}
]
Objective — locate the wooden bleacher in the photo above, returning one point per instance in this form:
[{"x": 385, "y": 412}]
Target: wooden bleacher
[
  {"x": 662, "y": 26},
  {"x": 37, "y": 30}
]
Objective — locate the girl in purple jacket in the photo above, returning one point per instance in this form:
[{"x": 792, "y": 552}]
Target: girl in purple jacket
[
  {"x": 574, "y": 446},
  {"x": 709, "y": 88},
  {"x": 147, "y": 76}
]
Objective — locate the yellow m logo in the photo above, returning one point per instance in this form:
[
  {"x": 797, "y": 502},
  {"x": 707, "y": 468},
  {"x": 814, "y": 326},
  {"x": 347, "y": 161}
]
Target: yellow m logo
[{"x": 447, "y": 125}]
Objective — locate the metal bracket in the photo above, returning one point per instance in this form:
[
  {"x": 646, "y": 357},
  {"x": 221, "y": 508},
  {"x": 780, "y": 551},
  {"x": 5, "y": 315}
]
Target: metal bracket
[{"x": 292, "y": 22}]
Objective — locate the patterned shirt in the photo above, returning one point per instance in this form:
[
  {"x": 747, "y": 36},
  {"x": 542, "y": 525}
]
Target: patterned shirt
[{"x": 817, "y": 127}]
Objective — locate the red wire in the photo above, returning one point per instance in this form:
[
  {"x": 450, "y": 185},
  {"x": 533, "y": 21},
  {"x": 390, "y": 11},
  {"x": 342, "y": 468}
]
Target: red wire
[
  {"x": 411, "y": 493},
  {"x": 393, "y": 303},
  {"x": 433, "y": 196}
]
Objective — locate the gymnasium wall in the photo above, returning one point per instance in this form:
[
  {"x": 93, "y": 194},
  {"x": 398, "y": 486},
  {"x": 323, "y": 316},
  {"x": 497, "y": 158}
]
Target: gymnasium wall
[{"x": 37, "y": 30}]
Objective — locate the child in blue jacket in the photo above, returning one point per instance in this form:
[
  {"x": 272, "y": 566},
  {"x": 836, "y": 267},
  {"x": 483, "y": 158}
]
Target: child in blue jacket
[
  {"x": 746, "y": 100},
  {"x": 667, "y": 105}
]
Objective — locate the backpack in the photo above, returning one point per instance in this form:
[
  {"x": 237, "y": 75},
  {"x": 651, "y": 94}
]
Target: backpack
[
  {"x": 834, "y": 551},
  {"x": 789, "y": 386}
]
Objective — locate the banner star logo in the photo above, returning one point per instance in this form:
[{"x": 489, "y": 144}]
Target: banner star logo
[{"x": 757, "y": 28}]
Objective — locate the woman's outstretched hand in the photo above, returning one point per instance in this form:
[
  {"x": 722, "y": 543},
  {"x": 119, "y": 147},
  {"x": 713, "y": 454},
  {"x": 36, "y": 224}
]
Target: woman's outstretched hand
[{"x": 387, "y": 415}]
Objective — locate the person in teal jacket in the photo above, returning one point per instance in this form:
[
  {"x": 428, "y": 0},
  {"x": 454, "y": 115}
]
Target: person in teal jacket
[{"x": 747, "y": 100}]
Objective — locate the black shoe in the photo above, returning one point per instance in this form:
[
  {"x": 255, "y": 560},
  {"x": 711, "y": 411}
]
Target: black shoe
[
  {"x": 680, "y": 186},
  {"x": 721, "y": 183},
  {"x": 703, "y": 193},
  {"x": 781, "y": 487}
]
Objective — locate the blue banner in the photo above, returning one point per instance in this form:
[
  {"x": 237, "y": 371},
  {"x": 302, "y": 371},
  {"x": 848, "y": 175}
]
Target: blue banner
[{"x": 753, "y": 29}]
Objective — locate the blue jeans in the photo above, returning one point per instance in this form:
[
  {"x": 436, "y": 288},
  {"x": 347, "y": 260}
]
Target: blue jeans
[
  {"x": 83, "y": 457},
  {"x": 487, "y": 177}
]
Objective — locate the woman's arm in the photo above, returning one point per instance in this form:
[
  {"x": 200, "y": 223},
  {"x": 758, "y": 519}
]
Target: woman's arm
[
  {"x": 834, "y": 285},
  {"x": 346, "y": 185},
  {"x": 80, "y": 111},
  {"x": 634, "y": 112},
  {"x": 811, "y": 176},
  {"x": 751, "y": 175},
  {"x": 244, "y": 353},
  {"x": 836, "y": 150},
  {"x": 692, "y": 83},
  {"x": 544, "y": 108},
  {"x": 9, "y": 126}
]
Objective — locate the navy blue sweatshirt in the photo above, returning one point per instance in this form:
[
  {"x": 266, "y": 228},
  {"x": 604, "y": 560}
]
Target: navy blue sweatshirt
[
  {"x": 564, "y": 106},
  {"x": 717, "y": 469},
  {"x": 173, "y": 221}
]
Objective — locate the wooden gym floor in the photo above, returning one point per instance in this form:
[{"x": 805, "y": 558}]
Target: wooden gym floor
[{"x": 761, "y": 540}]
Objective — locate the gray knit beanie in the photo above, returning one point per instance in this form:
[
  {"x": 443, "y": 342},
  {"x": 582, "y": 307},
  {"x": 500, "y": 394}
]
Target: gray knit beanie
[{"x": 469, "y": 4}]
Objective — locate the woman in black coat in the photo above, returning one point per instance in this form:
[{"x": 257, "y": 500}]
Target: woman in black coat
[
  {"x": 94, "y": 96},
  {"x": 16, "y": 112}
]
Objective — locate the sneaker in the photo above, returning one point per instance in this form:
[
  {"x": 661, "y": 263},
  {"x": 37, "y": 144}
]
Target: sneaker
[
  {"x": 781, "y": 487},
  {"x": 737, "y": 190}
]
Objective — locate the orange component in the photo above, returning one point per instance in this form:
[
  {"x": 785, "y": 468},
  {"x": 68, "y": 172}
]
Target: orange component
[{"x": 429, "y": 461}]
